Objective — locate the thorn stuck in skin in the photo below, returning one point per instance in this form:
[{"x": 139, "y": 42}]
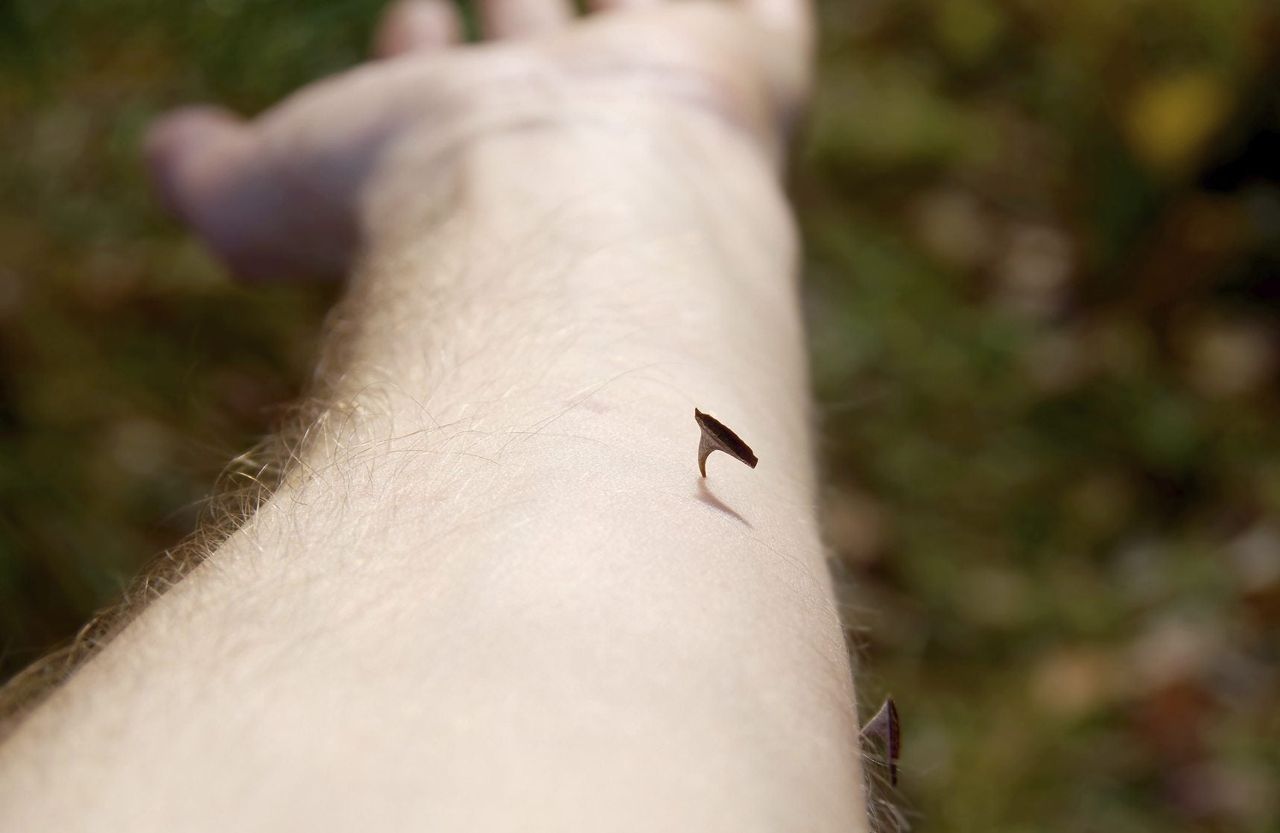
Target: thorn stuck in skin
[
  {"x": 884, "y": 725},
  {"x": 716, "y": 436}
]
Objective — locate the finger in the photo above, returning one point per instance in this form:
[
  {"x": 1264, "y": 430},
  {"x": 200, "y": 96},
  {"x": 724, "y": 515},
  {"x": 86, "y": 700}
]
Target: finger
[
  {"x": 792, "y": 16},
  {"x": 415, "y": 25},
  {"x": 522, "y": 18},
  {"x": 789, "y": 28},
  {"x": 208, "y": 170},
  {"x": 611, "y": 5}
]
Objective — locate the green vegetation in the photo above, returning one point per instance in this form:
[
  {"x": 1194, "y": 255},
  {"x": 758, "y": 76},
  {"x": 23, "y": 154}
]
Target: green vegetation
[{"x": 1044, "y": 282}]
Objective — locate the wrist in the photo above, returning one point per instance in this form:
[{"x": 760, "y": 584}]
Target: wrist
[{"x": 647, "y": 162}]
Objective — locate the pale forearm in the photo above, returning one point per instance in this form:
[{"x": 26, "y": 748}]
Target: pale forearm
[{"x": 494, "y": 592}]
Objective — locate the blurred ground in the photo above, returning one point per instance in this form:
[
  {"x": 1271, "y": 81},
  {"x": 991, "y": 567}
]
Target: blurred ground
[{"x": 1044, "y": 281}]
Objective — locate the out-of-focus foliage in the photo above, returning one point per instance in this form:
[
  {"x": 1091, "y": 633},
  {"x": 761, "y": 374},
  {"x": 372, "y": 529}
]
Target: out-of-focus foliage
[
  {"x": 1044, "y": 259},
  {"x": 1044, "y": 282},
  {"x": 131, "y": 369}
]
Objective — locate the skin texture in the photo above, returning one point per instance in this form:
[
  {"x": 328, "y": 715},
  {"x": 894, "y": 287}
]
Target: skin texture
[{"x": 493, "y": 593}]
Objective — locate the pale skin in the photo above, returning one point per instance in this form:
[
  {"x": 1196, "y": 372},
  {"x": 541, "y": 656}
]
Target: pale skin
[{"x": 494, "y": 592}]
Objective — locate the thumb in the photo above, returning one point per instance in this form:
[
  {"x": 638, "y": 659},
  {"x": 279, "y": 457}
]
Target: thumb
[
  {"x": 208, "y": 169},
  {"x": 197, "y": 158}
]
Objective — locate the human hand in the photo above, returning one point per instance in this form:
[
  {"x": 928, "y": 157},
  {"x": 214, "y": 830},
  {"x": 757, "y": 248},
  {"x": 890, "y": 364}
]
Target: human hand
[{"x": 285, "y": 194}]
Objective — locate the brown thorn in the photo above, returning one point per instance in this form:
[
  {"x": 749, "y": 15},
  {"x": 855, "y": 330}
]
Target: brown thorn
[
  {"x": 716, "y": 436},
  {"x": 884, "y": 725}
]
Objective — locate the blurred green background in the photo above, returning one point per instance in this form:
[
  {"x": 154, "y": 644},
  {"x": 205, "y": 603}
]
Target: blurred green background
[{"x": 1044, "y": 283}]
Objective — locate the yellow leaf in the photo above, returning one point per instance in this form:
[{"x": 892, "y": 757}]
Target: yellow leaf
[{"x": 1169, "y": 120}]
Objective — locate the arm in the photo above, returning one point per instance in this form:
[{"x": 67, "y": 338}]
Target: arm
[{"x": 493, "y": 592}]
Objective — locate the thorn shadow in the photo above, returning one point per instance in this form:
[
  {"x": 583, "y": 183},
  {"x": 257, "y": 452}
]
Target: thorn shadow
[{"x": 709, "y": 498}]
